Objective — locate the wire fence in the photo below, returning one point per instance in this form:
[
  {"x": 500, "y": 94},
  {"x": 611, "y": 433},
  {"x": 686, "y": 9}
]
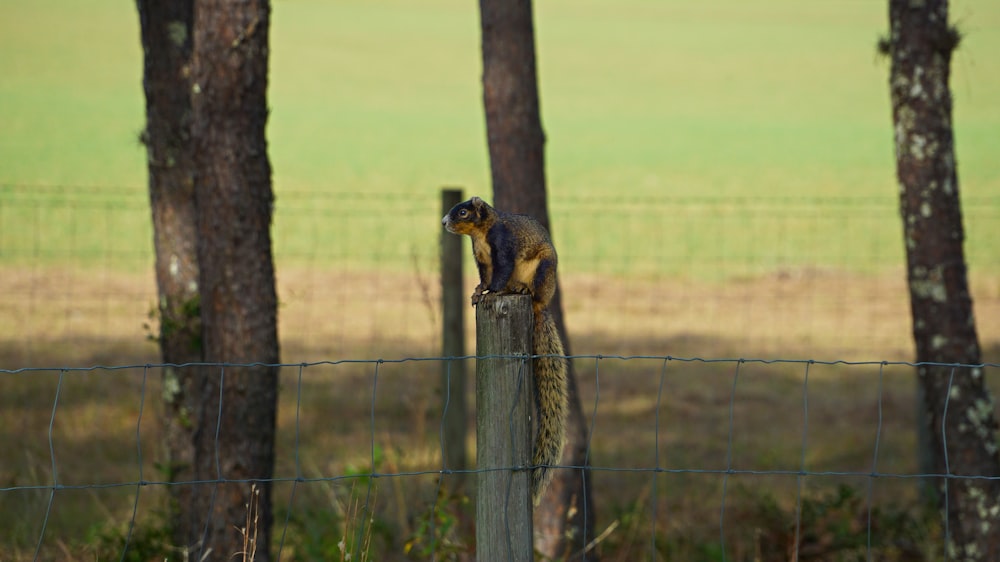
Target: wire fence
[
  {"x": 701, "y": 458},
  {"x": 738, "y": 455},
  {"x": 816, "y": 277}
]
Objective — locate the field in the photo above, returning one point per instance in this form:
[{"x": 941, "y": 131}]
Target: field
[{"x": 721, "y": 182}]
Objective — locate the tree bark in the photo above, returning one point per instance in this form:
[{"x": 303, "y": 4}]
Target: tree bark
[
  {"x": 166, "y": 39},
  {"x": 958, "y": 407},
  {"x": 238, "y": 300},
  {"x": 564, "y": 519},
  {"x": 510, "y": 97}
]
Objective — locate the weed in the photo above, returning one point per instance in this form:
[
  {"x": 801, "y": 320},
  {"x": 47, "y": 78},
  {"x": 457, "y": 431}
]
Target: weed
[
  {"x": 833, "y": 526},
  {"x": 249, "y": 531},
  {"x": 438, "y": 532},
  {"x": 145, "y": 541},
  {"x": 342, "y": 526},
  {"x": 342, "y": 530},
  {"x": 836, "y": 525}
]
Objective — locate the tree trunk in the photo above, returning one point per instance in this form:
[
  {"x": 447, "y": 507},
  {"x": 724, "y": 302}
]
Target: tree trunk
[
  {"x": 238, "y": 302},
  {"x": 517, "y": 160},
  {"x": 958, "y": 407},
  {"x": 166, "y": 40}
]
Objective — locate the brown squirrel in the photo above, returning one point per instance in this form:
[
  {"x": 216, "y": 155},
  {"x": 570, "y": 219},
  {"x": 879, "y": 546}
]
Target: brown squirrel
[{"x": 514, "y": 254}]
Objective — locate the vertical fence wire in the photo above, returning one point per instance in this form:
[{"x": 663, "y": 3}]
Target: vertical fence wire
[
  {"x": 874, "y": 470},
  {"x": 445, "y": 469},
  {"x": 218, "y": 465},
  {"x": 590, "y": 436},
  {"x": 367, "y": 509},
  {"x": 138, "y": 451},
  {"x": 729, "y": 461},
  {"x": 656, "y": 459},
  {"x": 799, "y": 478},
  {"x": 52, "y": 457},
  {"x": 947, "y": 465},
  {"x": 298, "y": 460}
]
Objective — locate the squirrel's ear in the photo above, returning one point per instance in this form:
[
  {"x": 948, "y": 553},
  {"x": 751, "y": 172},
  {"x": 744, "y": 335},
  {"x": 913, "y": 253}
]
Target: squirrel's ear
[{"x": 476, "y": 202}]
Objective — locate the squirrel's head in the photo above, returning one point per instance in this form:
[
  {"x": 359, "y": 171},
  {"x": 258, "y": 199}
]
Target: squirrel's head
[{"x": 469, "y": 216}]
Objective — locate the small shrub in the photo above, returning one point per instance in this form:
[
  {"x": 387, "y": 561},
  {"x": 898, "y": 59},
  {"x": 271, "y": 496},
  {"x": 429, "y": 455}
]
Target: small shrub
[{"x": 834, "y": 527}]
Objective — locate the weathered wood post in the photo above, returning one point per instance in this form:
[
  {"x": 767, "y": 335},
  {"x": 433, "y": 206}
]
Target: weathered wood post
[
  {"x": 504, "y": 387},
  {"x": 453, "y": 378}
]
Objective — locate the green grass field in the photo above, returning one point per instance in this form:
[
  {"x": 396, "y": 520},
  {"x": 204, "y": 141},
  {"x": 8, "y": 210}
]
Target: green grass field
[
  {"x": 654, "y": 98},
  {"x": 647, "y": 99}
]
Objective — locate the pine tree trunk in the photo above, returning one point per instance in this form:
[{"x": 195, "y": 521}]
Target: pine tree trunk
[
  {"x": 166, "y": 40},
  {"x": 959, "y": 409},
  {"x": 238, "y": 302},
  {"x": 564, "y": 519}
]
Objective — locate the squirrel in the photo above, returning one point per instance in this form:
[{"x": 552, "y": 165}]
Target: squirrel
[{"x": 514, "y": 254}]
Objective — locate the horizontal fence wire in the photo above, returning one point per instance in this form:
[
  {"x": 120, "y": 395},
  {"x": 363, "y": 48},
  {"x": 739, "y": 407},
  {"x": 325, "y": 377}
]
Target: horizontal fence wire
[{"x": 731, "y": 388}]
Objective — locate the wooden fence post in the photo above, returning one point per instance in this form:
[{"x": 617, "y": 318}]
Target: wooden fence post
[
  {"x": 453, "y": 378},
  {"x": 504, "y": 387}
]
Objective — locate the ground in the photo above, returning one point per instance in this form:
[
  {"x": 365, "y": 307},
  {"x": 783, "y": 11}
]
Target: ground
[{"x": 712, "y": 413}]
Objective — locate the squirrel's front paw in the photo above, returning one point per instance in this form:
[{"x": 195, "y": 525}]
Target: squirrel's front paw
[{"x": 477, "y": 295}]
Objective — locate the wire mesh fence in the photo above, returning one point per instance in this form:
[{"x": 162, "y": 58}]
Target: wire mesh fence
[
  {"x": 820, "y": 277},
  {"x": 687, "y": 455},
  {"x": 691, "y": 458}
]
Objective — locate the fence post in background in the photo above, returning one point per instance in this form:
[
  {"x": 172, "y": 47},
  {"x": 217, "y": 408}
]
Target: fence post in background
[
  {"x": 453, "y": 378},
  {"x": 504, "y": 387}
]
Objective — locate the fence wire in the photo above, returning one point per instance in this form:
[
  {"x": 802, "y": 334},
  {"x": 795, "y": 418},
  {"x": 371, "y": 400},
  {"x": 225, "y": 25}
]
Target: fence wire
[
  {"x": 693, "y": 457},
  {"x": 682, "y": 397}
]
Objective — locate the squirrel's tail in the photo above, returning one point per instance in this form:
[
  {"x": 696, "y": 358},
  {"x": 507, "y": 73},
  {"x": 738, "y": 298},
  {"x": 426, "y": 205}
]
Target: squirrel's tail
[{"x": 551, "y": 401}]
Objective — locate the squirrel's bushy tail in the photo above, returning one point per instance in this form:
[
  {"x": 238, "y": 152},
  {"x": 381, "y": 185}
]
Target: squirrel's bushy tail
[{"x": 551, "y": 401}]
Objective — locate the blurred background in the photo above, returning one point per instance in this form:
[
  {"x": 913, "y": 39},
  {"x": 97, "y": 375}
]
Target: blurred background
[{"x": 721, "y": 184}]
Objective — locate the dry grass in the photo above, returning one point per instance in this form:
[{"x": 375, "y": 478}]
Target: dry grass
[{"x": 74, "y": 318}]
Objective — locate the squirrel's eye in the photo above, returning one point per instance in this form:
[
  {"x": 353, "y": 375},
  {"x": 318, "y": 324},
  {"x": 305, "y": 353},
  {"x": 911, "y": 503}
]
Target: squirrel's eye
[{"x": 463, "y": 213}]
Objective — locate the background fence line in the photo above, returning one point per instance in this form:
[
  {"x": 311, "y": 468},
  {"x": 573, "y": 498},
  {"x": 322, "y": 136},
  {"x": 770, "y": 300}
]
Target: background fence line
[{"x": 717, "y": 276}]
